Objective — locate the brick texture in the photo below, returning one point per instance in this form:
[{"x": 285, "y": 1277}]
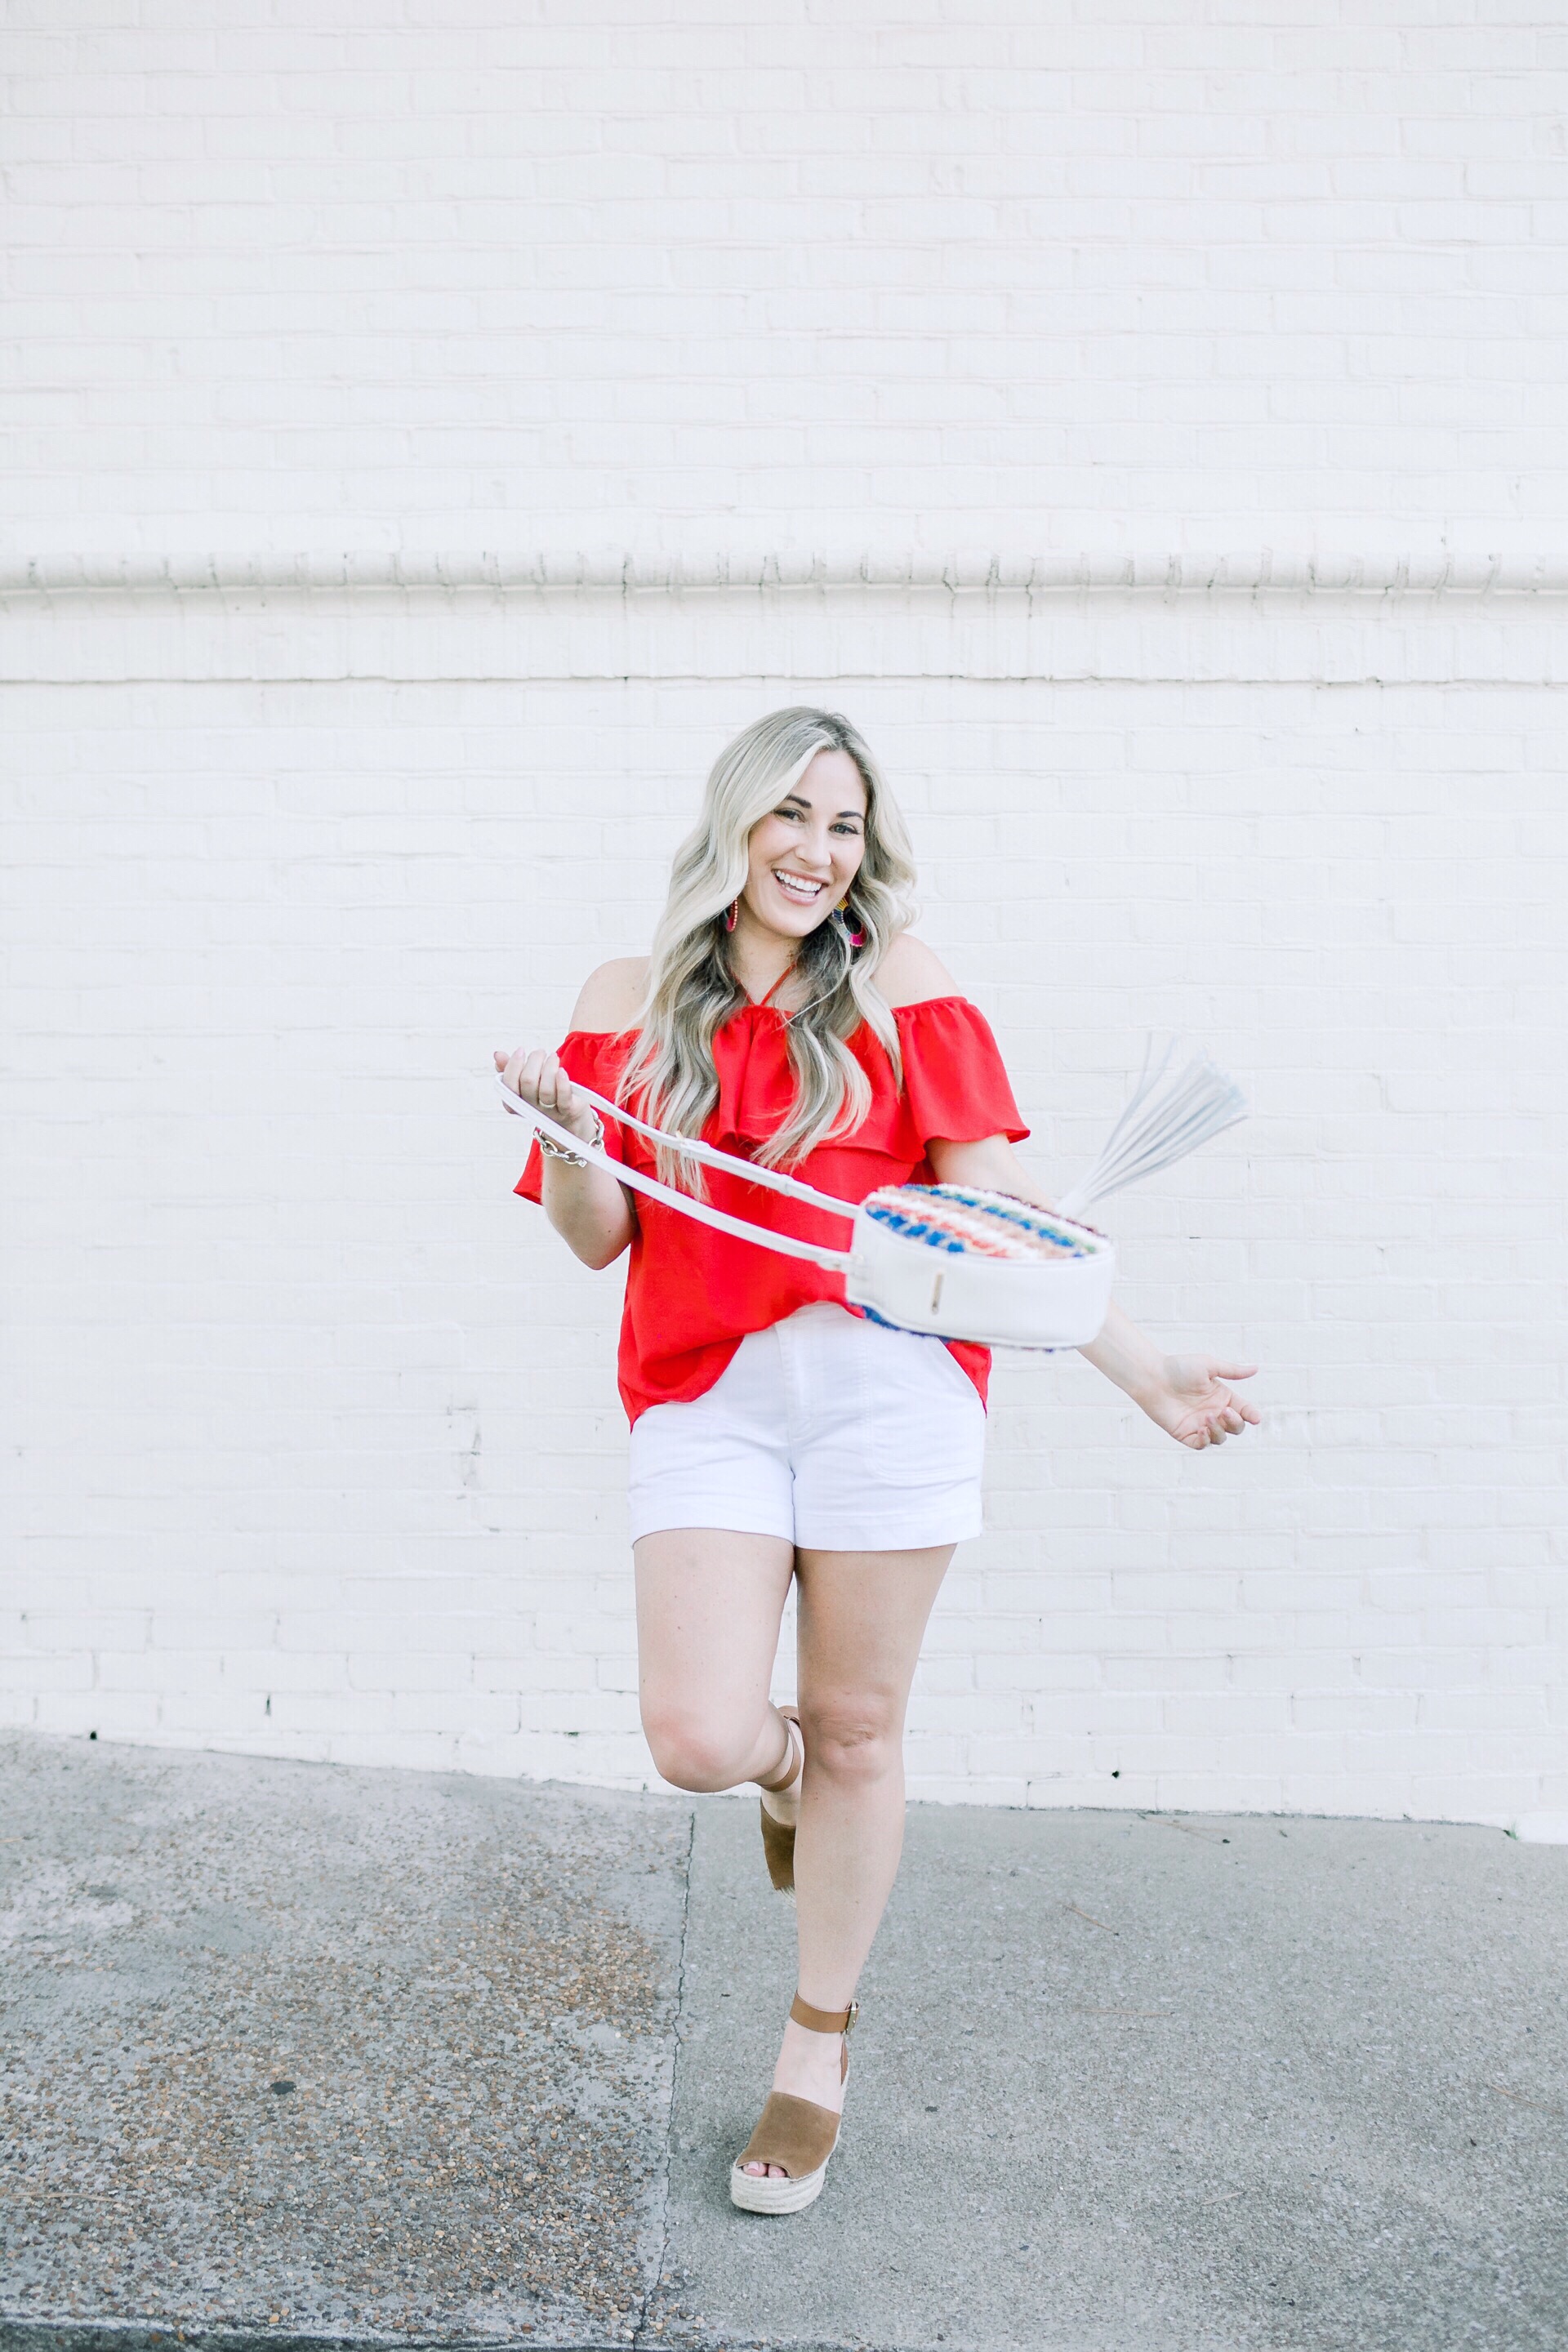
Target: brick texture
[
  {"x": 315, "y": 1441},
  {"x": 642, "y": 275}
]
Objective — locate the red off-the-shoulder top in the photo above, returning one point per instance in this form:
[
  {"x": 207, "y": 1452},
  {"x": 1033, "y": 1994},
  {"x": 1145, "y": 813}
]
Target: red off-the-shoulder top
[{"x": 692, "y": 1294}]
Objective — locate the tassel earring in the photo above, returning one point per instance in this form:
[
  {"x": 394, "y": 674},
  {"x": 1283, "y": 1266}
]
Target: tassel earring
[
  {"x": 847, "y": 925},
  {"x": 730, "y": 911}
]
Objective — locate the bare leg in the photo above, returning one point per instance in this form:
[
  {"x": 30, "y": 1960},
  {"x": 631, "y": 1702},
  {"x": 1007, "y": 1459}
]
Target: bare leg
[
  {"x": 862, "y": 1619},
  {"x": 708, "y": 1607}
]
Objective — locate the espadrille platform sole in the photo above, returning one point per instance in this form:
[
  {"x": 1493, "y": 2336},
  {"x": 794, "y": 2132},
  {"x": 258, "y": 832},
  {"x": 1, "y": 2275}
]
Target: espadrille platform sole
[{"x": 777, "y": 2193}]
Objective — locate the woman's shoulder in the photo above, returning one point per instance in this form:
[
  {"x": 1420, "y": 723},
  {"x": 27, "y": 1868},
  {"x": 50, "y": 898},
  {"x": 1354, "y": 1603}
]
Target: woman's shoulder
[
  {"x": 912, "y": 974},
  {"x": 611, "y": 997}
]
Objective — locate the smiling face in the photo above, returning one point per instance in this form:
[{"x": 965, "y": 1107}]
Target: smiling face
[{"x": 805, "y": 854}]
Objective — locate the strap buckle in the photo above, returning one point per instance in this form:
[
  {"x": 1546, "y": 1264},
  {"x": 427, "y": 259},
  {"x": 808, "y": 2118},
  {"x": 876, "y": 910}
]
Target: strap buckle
[{"x": 823, "y": 2021}]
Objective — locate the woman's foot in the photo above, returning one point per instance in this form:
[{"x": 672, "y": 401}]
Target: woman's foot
[
  {"x": 810, "y": 2067},
  {"x": 781, "y": 1806},
  {"x": 784, "y": 1803}
]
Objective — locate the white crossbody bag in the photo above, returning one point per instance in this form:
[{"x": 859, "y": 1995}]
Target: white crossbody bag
[{"x": 950, "y": 1259}]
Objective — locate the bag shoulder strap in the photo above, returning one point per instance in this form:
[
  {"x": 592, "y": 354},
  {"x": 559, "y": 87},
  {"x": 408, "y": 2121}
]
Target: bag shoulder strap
[
  {"x": 785, "y": 1245},
  {"x": 711, "y": 1157}
]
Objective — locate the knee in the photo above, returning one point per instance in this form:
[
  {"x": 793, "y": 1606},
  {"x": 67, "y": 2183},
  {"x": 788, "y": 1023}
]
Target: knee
[
  {"x": 854, "y": 1736},
  {"x": 693, "y": 1751}
]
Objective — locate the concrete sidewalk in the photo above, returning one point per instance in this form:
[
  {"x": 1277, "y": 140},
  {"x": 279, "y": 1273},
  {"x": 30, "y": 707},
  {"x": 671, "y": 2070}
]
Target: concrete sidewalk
[{"x": 297, "y": 2055}]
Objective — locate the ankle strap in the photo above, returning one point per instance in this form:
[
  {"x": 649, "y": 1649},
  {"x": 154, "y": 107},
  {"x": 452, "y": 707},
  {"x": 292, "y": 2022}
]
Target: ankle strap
[
  {"x": 823, "y": 2021},
  {"x": 794, "y": 1756}
]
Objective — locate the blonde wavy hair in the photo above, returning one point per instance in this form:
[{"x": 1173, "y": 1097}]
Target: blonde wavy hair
[{"x": 670, "y": 1076}]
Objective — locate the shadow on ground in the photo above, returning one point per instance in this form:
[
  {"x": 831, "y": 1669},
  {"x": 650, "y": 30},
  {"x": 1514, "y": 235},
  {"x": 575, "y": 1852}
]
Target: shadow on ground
[{"x": 1121, "y": 2084}]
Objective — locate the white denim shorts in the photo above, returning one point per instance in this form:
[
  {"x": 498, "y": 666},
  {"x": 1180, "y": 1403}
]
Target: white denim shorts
[{"x": 832, "y": 1431}]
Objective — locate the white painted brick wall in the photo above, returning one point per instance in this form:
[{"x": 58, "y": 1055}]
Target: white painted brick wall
[
  {"x": 316, "y": 1441},
  {"x": 311, "y": 1435},
  {"x": 1156, "y": 275}
]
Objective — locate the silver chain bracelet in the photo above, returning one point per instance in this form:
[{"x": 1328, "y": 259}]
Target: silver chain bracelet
[{"x": 547, "y": 1143}]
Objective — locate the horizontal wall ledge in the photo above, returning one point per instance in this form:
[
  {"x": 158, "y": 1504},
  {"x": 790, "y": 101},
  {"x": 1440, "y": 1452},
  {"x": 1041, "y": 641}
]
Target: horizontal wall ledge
[
  {"x": 410, "y": 619},
  {"x": 620, "y": 572}
]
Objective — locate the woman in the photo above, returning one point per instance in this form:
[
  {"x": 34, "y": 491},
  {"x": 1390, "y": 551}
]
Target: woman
[{"x": 785, "y": 1013}]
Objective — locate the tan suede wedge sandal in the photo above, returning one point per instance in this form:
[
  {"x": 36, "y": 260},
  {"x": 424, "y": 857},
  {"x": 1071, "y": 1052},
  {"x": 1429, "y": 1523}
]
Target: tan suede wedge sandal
[
  {"x": 778, "y": 1837},
  {"x": 796, "y": 2133}
]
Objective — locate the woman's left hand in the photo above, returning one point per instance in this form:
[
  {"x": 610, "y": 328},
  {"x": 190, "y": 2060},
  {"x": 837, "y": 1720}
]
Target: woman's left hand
[{"x": 1193, "y": 1402}]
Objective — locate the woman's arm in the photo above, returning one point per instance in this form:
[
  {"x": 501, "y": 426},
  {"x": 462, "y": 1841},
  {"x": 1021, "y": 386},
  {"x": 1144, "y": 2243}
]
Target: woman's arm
[
  {"x": 1188, "y": 1396},
  {"x": 594, "y": 1214}
]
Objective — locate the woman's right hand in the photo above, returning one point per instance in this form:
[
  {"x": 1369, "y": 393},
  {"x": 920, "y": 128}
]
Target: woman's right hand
[{"x": 538, "y": 1078}]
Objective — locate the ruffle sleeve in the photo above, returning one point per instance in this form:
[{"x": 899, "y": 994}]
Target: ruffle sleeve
[
  {"x": 955, "y": 1085},
  {"x": 591, "y": 1058}
]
